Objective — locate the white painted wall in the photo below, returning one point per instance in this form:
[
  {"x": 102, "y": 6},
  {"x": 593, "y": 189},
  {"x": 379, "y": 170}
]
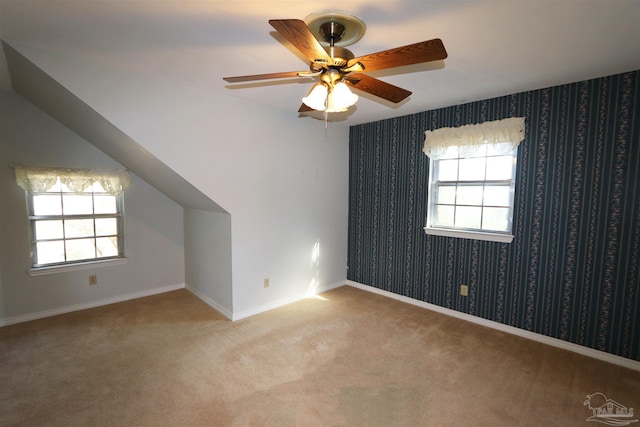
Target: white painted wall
[
  {"x": 207, "y": 247},
  {"x": 283, "y": 179},
  {"x": 153, "y": 224}
]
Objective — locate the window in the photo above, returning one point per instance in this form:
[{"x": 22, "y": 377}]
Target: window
[
  {"x": 75, "y": 216},
  {"x": 472, "y": 180}
]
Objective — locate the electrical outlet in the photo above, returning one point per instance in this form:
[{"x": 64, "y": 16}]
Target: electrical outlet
[
  {"x": 266, "y": 282},
  {"x": 93, "y": 279},
  {"x": 464, "y": 290}
]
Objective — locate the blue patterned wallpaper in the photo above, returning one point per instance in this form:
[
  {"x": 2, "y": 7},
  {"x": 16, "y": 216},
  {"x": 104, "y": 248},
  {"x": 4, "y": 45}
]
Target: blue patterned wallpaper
[{"x": 572, "y": 271}]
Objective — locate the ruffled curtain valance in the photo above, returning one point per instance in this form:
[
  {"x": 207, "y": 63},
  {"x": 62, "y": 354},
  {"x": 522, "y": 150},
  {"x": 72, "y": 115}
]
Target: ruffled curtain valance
[
  {"x": 504, "y": 134},
  {"x": 40, "y": 179}
]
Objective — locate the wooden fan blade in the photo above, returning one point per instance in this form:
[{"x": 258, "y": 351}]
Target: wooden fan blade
[
  {"x": 304, "y": 108},
  {"x": 267, "y": 76},
  {"x": 299, "y": 35},
  {"x": 426, "y": 51},
  {"x": 378, "y": 87}
]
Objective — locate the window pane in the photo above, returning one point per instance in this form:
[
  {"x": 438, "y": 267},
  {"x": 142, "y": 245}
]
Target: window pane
[
  {"x": 49, "y": 230},
  {"x": 468, "y": 217},
  {"x": 495, "y": 219},
  {"x": 447, "y": 170},
  {"x": 469, "y": 195},
  {"x": 50, "y": 252},
  {"x": 75, "y": 204},
  {"x": 499, "y": 167},
  {"x": 47, "y": 204},
  {"x": 105, "y": 204},
  {"x": 78, "y": 228},
  {"x": 107, "y": 246},
  {"x": 496, "y": 195},
  {"x": 106, "y": 227},
  {"x": 472, "y": 169},
  {"x": 80, "y": 249},
  {"x": 444, "y": 216},
  {"x": 446, "y": 194}
]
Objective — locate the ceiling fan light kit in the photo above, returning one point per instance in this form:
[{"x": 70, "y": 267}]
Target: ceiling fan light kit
[
  {"x": 340, "y": 98},
  {"x": 316, "y": 97},
  {"x": 331, "y": 94},
  {"x": 322, "y": 38}
]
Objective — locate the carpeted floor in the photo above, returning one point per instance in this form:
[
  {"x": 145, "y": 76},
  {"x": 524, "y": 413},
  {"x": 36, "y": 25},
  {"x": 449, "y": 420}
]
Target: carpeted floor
[{"x": 346, "y": 358}]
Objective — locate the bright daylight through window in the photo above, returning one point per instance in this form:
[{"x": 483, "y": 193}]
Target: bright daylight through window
[
  {"x": 75, "y": 216},
  {"x": 472, "y": 179}
]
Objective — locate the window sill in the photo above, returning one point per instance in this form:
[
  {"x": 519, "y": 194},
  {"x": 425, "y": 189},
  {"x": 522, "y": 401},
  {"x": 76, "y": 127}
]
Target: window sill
[
  {"x": 473, "y": 235},
  {"x": 40, "y": 271}
]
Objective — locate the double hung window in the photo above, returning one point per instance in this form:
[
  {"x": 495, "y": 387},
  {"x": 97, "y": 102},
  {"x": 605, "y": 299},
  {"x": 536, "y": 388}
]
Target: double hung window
[
  {"x": 472, "y": 180},
  {"x": 75, "y": 216}
]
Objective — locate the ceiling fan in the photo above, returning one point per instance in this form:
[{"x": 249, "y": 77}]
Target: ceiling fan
[{"x": 321, "y": 39}]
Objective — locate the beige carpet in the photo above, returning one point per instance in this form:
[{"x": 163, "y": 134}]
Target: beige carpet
[{"x": 348, "y": 358}]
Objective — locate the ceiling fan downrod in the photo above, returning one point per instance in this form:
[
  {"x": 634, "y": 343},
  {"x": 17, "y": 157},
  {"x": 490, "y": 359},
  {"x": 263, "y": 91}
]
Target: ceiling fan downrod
[{"x": 332, "y": 32}]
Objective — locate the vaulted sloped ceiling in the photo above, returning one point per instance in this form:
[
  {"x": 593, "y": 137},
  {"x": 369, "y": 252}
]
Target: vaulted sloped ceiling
[{"x": 43, "y": 91}]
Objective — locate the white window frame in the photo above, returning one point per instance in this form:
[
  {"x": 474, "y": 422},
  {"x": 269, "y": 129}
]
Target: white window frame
[
  {"x": 504, "y": 135},
  {"x": 66, "y": 184},
  {"x": 34, "y": 219},
  {"x": 469, "y": 233}
]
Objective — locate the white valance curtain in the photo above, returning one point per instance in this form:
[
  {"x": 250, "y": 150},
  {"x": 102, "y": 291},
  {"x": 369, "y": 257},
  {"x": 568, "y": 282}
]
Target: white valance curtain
[
  {"x": 40, "y": 179},
  {"x": 504, "y": 134}
]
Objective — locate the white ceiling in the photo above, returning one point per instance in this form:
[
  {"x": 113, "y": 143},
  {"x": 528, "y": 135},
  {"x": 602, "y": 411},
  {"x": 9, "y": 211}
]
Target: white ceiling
[{"x": 495, "y": 47}]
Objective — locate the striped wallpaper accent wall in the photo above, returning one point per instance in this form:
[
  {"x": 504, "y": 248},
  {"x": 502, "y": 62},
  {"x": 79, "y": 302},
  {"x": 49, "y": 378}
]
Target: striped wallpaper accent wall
[{"x": 572, "y": 271}]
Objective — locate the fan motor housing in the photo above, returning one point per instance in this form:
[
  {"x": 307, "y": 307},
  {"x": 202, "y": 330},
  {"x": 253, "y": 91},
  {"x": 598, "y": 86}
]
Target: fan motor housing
[{"x": 339, "y": 54}]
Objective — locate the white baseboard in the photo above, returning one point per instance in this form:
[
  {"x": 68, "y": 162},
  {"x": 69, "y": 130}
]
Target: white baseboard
[
  {"x": 217, "y": 307},
  {"x": 555, "y": 342},
  {"x": 62, "y": 310},
  {"x": 284, "y": 301},
  {"x": 586, "y": 351}
]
